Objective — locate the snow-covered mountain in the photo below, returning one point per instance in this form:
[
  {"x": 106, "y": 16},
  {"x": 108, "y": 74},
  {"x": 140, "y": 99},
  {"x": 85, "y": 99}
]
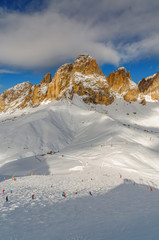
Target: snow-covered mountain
[
  {"x": 124, "y": 135},
  {"x": 70, "y": 142},
  {"x": 85, "y": 79}
]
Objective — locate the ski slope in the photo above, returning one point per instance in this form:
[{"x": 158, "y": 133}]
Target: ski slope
[{"x": 112, "y": 151}]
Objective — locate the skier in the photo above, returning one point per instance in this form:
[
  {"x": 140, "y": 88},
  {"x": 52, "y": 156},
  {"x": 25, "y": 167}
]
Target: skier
[
  {"x": 11, "y": 191},
  {"x": 3, "y": 191},
  {"x": 6, "y": 198},
  {"x": 76, "y": 192},
  {"x": 90, "y": 193},
  {"x": 64, "y": 194},
  {"x": 32, "y": 196}
]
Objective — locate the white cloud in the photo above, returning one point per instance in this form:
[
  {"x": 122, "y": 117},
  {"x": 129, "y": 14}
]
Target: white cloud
[
  {"x": 7, "y": 71},
  {"x": 111, "y": 31},
  {"x": 147, "y": 47}
]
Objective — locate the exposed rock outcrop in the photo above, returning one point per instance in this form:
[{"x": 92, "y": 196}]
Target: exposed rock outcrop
[
  {"x": 121, "y": 83},
  {"x": 16, "y": 97},
  {"x": 47, "y": 78},
  {"x": 41, "y": 90},
  {"x": 84, "y": 78},
  {"x": 60, "y": 82},
  {"x": 150, "y": 87}
]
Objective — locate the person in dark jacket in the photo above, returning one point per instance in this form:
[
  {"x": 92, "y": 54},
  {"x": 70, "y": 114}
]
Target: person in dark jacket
[{"x": 64, "y": 194}]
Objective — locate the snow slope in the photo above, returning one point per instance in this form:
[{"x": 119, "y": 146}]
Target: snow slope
[{"x": 111, "y": 151}]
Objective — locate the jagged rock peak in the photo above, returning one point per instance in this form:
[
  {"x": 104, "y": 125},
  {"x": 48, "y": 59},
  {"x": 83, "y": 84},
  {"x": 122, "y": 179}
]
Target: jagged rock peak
[
  {"x": 67, "y": 67},
  {"x": 86, "y": 65},
  {"x": 150, "y": 86},
  {"x": 148, "y": 83},
  {"x": 122, "y": 69},
  {"x": 84, "y": 58},
  {"x": 46, "y": 78},
  {"x": 84, "y": 78},
  {"x": 19, "y": 94},
  {"x": 145, "y": 84},
  {"x": 121, "y": 83},
  {"x": 150, "y": 77}
]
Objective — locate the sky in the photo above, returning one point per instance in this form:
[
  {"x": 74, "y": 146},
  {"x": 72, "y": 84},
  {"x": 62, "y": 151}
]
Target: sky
[{"x": 38, "y": 36}]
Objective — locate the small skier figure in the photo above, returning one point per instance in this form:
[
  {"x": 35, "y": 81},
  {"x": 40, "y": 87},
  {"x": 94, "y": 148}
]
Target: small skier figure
[
  {"x": 90, "y": 193},
  {"x": 11, "y": 191},
  {"x": 64, "y": 194},
  {"x": 32, "y": 196},
  {"x": 3, "y": 191},
  {"x": 76, "y": 192},
  {"x": 6, "y": 198}
]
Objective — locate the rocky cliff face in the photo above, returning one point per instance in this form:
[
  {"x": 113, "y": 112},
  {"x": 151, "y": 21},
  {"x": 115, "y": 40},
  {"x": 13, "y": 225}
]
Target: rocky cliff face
[
  {"x": 121, "y": 84},
  {"x": 16, "y": 97},
  {"x": 150, "y": 87},
  {"x": 84, "y": 78}
]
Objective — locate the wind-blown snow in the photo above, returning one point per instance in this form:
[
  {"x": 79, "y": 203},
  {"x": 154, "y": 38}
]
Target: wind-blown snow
[{"x": 112, "y": 151}]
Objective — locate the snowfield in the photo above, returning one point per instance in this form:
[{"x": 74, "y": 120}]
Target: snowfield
[{"x": 71, "y": 147}]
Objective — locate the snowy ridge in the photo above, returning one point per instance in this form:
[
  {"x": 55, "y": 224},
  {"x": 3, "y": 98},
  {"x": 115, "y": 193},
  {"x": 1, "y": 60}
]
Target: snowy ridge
[{"x": 20, "y": 86}]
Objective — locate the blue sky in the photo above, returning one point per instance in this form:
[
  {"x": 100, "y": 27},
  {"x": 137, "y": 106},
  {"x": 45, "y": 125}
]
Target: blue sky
[{"x": 38, "y": 36}]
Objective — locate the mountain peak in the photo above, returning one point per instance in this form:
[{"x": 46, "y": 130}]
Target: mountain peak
[
  {"x": 84, "y": 78},
  {"x": 150, "y": 86},
  {"x": 46, "y": 78},
  {"x": 86, "y": 65},
  {"x": 122, "y": 69}
]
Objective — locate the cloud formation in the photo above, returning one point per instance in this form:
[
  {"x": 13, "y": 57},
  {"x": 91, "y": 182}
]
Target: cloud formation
[
  {"x": 111, "y": 31},
  {"x": 7, "y": 71}
]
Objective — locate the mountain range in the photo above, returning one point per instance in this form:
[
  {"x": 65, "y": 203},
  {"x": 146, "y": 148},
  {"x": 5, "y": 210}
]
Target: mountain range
[
  {"x": 92, "y": 144},
  {"x": 84, "y": 78}
]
